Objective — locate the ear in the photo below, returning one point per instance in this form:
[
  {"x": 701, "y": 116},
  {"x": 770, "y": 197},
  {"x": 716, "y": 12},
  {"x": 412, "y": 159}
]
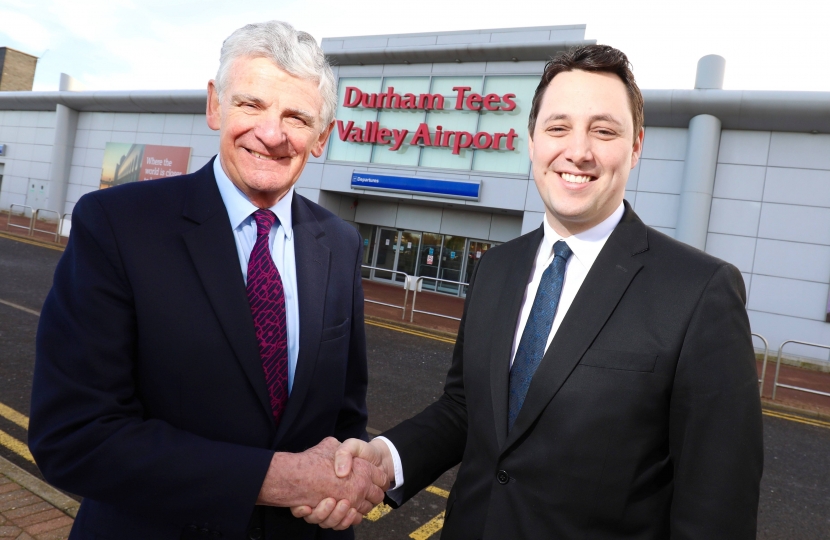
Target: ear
[
  {"x": 638, "y": 147},
  {"x": 320, "y": 143},
  {"x": 214, "y": 113}
]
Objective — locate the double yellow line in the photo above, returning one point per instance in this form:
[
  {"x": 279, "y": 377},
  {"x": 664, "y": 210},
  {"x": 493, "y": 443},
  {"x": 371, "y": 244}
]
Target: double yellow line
[
  {"x": 18, "y": 447},
  {"x": 410, "y": 331},
  {"x": 799, "y": 419}
]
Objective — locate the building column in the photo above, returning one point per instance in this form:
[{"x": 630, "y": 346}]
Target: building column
[
  {"x": 66, "y": 126},
  {"x": 701, "y": 161}
]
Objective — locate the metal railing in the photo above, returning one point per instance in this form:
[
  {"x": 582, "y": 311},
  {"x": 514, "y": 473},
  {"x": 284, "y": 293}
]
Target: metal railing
[
  {"x": 419, "y": 281},
  {"x": 764, "y": 365},
  {"x": 406, "y": 278},
  {"x": 776, "y": 384},
  {"x": 36, "y": 217},
  {"x": 31, "y": 219},
  {"x": 60, "y": 226}
]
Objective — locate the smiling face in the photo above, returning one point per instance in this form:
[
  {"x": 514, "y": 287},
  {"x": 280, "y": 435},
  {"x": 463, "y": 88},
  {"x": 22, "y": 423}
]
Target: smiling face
[
  {"x": 583, "y": 148},
  {"x": 269, "y": 122}
]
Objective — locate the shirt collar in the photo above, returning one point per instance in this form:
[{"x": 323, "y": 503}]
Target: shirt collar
[
  {"x": 587, "y": 244},
  {"x": 240, "y": 207}
]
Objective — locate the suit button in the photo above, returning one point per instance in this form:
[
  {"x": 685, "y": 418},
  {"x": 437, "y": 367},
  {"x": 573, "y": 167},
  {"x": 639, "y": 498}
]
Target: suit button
[
  {"x": 502, "y": 477},
  {"x": 255, "y": 534}
]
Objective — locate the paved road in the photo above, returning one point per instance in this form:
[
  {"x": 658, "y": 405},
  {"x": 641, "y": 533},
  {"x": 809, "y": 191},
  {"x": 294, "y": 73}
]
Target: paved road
[{"x": 406, "y": 374}]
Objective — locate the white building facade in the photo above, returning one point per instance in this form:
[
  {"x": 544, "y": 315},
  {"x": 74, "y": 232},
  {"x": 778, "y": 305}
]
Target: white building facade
[{"x": 429, "y": 161}]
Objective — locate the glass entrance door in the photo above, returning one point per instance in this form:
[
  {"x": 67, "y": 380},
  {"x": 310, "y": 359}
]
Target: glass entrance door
[
  {"x": 408, "y": 253},
  {"x": 476, "y": 249},
  {"x": 387, "y": 252},
  {"x": 452, "y": 262}
]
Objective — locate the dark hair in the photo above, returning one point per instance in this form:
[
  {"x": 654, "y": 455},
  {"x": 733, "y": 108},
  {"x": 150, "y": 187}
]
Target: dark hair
[{"x": 591, "y": 58}]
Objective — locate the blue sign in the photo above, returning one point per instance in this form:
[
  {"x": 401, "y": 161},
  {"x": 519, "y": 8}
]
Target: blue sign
[
  {"x": 452, "y": 254},
  {"x": 365, "y": 241},
  {"x": 431, "y": 251},
  {"x": 453, "y": 189}
]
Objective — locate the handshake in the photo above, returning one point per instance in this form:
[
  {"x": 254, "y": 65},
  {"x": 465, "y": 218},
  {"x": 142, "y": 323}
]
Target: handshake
[{"x": 332, "y": 485}]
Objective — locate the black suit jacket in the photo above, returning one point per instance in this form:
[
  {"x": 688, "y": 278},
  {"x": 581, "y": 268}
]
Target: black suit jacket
[
  {"x": 149, "y": 398},
  {"x": 642, "y": 421}
]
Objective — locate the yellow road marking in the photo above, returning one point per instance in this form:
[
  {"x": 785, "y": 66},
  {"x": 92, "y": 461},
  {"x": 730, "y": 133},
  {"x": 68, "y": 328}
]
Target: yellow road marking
[
  {"x": 21, "y": 308},
  {"x": 378, "y": 512},
  {"x": 429, "y": 528},
  {"x": 15, "y": 446},
  {"x": 11, "y": 414},
  {"x": 799, "y": 419},
  {"x": 412, "y": 332},
  {"x": 31, "y": 242},
  {"x": 438, "y": 491}
]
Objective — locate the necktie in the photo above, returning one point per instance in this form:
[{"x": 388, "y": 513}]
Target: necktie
[
  {"x": 267, "y": 300},
  {"x": 535, "y": 336}
]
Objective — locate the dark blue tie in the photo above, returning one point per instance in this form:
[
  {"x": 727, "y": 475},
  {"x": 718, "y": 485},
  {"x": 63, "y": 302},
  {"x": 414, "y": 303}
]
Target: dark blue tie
[{"x": 535, "y": 336}]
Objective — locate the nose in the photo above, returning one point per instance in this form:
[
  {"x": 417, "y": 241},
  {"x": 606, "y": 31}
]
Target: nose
[
  {"x": 579, "y": 148},
  {"x": 270, "y": 130}
]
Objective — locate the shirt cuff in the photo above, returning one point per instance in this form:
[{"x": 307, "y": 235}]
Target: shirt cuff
[{"x": 396, "y": 492}]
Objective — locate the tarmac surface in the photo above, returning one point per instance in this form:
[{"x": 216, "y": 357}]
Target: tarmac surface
[{"x": 407, "y": 369}]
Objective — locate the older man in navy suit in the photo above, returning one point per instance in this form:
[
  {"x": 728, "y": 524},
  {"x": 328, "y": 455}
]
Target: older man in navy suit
[{"x": 204, "y": 333}]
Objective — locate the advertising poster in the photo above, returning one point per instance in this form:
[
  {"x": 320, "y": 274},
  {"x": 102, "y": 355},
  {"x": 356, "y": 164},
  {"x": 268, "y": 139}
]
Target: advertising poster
[{"x": 124, "y": 162}]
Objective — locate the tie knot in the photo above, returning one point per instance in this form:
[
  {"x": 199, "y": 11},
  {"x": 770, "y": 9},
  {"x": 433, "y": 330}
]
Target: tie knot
[
  {"x": 561, "y": 249},
  {"x": 264, "y": 221}
]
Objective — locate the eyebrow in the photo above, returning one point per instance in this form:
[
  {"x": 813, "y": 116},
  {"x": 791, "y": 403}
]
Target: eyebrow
[
  {"x": 239, "y": 98},
  {"x": 305, "y": 115},
  {"x": 594, "y": 118}
]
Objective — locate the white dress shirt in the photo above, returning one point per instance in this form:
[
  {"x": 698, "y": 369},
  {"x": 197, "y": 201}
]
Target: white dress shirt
[
  {"x": 585, "y": 247},
  {"x": 281, "y": 244}
]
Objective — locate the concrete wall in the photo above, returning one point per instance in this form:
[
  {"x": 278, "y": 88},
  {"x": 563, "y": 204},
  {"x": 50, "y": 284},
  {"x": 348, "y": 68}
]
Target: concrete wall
[
  {"x": 96, "y": 129},
  {"x": 29, "y": 136}
]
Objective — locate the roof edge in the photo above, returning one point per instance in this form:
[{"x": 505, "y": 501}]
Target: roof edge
[{"x": 455, "y": 52}]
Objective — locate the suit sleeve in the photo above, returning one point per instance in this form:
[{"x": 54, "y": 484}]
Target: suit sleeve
[
  {"x": 434, "y": 440},
  {"x": 353, "y": 416},
  {"x": 715, "y": 434},
  {"x": 88, "y": 430}
]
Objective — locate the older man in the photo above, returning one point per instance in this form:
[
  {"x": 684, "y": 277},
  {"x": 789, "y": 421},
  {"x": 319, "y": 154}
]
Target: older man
[
  {"x": 205, "y": 332},
  {"x": 603, "y": 383}
]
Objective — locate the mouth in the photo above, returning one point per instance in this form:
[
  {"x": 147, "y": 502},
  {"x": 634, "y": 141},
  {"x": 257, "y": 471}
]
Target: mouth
[
  {"x": 263, "y": 157},
  {"x": 576, "y": 178}
]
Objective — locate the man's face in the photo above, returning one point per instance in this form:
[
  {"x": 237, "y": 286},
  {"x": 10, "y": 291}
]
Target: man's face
[
  {"x": 583, "y": 148},
  {"x": 268, "y": 122}
]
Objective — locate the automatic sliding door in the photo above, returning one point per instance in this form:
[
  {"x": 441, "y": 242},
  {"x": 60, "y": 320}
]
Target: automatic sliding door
[
  {"x": 369, "y": 235},
  {"x": 452, "y": 259},
  {"x": 430, "y": 261},
  {"x": 410, "y": 243},
  {"x": 386, "y": 253}
]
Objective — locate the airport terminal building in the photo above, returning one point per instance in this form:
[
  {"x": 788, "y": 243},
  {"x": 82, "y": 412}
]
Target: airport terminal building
[{"x": 429, "y": 161}]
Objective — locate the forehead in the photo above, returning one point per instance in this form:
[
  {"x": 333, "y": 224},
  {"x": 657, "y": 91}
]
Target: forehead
[
  {"x": 263, "y": 79},
  {"x": 581, "y": 92}
]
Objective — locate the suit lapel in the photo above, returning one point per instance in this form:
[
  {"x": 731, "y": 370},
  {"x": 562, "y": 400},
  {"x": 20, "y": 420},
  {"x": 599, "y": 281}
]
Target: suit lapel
[
  {"x": 510, "y": 303},
  {"x": 596, "y": 300},
  {"x": 312, "y": 263},
  {"x": 213, "y": 250}
]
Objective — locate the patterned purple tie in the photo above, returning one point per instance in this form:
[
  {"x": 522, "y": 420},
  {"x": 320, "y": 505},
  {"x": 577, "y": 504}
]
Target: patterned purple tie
[{"x": 267, "y": 300}]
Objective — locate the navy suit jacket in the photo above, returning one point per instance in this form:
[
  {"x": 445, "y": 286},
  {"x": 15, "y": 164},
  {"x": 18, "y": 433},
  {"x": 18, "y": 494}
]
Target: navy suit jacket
[{"x": 149, "y": 398}]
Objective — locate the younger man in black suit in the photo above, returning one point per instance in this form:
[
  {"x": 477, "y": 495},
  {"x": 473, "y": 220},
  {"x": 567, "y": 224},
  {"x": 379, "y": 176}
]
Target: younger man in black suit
[{"x": 603, "y": 382}]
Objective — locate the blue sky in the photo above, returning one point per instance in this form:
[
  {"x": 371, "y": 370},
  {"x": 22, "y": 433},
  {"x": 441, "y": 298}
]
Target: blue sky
[{"x": 174, "y": 44}]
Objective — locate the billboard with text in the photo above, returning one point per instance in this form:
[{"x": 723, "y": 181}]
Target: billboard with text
[{"x": 125, "y": 162}]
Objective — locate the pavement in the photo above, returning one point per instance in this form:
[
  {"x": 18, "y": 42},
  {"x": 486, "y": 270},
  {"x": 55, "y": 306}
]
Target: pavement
[{"x": 401, "y": 359}]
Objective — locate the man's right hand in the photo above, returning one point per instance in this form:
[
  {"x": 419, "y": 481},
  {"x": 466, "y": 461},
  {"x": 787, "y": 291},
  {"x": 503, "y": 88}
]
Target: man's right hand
[
  {"x": 307, "y": 479},
  {"x": 348, "y": 456}
]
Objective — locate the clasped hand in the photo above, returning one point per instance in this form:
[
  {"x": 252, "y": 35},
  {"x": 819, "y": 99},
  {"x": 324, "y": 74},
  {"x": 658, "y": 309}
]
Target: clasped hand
[
  {"x": 369, "y": 464},
  {"x": 331, "y": 485}
]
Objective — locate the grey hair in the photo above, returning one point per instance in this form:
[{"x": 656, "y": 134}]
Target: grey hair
[{"x": 293, "y": 51}]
